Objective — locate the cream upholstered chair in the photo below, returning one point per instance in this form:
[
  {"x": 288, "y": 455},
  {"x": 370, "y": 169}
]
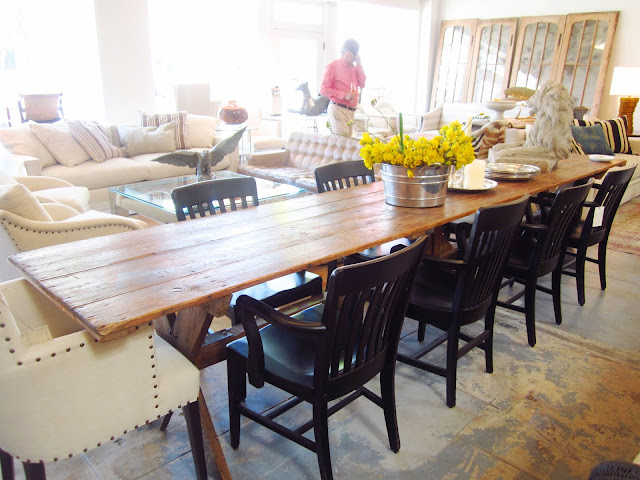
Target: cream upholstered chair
[
  {"x": 65, "y": 393},
  {"x": 41, "y": 107},
  {"x": 26, "y": 224},
  {"x": 51, "y": 190}
]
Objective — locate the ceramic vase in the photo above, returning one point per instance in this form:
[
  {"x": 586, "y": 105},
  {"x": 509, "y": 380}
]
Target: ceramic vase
[{"x": 232, "y": 114}]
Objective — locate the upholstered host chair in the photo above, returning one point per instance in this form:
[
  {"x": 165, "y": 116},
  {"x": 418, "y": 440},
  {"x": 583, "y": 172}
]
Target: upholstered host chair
[
  {"x": 41, "y": 107},
  {"x": 27, "y": 223},
  {"x": 539, "y": 250},
  {"x": 452, "y": 293},
  {"x": 347, "y": 174},
  {"x": 326, "y": 352},
  {"x": 204, "y": 198},
  {"x": 64, "y": 393},
  {"x": 594, "y": 229}
]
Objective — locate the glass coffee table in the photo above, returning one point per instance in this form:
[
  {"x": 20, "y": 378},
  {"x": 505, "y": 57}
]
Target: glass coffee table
[{"x": 153, "y": 198}]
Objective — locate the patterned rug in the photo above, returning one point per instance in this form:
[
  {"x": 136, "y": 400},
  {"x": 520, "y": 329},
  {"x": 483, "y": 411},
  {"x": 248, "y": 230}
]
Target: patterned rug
[{"x": 625, "y": 232}]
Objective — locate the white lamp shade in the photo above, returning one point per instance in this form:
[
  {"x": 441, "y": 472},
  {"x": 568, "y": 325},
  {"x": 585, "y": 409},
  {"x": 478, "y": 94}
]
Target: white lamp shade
[{"x": 625, "y": 81}]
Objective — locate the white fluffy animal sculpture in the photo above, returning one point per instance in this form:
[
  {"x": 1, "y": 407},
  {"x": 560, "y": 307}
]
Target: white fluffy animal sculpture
[{"x": 549, "y": 140}]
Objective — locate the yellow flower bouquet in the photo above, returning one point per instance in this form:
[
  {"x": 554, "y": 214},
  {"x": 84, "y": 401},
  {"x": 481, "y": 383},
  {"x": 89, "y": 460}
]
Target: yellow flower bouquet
[{"x": 451, "y": 147}]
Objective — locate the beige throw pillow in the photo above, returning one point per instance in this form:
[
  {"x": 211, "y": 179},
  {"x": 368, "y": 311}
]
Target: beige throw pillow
[
  {"x": 57, "y": 138},
  {"x": 179, "y": 121},
  {"x": 93, "y": 138},
  {"x": 139, "y": 140},
  {"x": 202, "y": 130},
  {"x": 18, "y": 199},
  {"x": 21, "y": 141}
]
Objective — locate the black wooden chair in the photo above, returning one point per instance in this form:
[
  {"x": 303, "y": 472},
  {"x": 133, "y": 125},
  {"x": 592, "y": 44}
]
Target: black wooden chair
[
  {"x": 615, "y": 470},
  {"x": 452, "y": 293},
  {"x": 205, "y": 198},
  {"x": 590, "y": 231},
  {"x": 539, "y": 250},
  {"x": 347, "y": 174},
  {"x": 328, "y": 351}
]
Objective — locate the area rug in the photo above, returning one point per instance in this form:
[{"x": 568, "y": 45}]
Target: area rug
[{"x": 625, "y": 231}]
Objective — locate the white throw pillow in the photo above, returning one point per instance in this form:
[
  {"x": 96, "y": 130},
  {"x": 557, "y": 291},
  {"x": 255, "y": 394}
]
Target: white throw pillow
[
  {"x": 201, "y": 130},
  {"x": 139, "y": 140},
  {"x": 21, "y": 141},
  {"x": 57, "y": 138},
  {"x": 94, "y": 139},
  {"x": 18, "y": 199}
]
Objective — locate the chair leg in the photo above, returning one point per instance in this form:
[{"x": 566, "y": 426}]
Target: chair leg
[
  {"x": 321, "y": 431},
  {"x": 530, "y": 310},
  {"x": 602, "y": 263},
  {"x": 452, "y": 364},
  {"x": 388, "y": 390},
  {"x": 422, "y": 328},
  {"x": 556, "y": 285},
  {"x": 34, "y": 471},
  {"x": 488, "y": 343},
  {"x": 237, "y": 388},
  {"x": 165, "y": 421},
  {"x": 581, "y": 257},
  {"x": 194, "y": 427},
  {"x": 6, "y": 461}
]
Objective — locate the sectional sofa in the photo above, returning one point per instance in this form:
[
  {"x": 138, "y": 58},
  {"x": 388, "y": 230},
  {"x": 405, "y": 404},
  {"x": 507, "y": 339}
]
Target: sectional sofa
[{"x": 22, "y": 152}]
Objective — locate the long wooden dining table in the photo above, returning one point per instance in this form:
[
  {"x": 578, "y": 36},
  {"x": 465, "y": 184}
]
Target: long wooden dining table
[{"x": 113, "y": 284}]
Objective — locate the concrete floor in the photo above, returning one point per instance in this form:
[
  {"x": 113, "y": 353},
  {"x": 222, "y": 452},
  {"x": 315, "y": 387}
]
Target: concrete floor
[{"x": 549, "y": 412}]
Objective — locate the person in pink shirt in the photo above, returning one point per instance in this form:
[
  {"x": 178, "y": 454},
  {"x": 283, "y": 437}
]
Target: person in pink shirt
[{"x": 340, "y": 84}]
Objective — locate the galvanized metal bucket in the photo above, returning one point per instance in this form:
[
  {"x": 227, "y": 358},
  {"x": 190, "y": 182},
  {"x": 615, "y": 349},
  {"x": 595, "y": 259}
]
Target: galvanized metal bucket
[{"x": 427, "y": 187}]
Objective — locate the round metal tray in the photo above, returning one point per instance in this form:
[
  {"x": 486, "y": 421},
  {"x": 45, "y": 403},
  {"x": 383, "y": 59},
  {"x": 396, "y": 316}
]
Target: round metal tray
[{"x": 511, "y": 171}]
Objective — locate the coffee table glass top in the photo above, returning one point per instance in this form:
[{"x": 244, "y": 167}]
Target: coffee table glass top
[{"x": 145, "y": 197}]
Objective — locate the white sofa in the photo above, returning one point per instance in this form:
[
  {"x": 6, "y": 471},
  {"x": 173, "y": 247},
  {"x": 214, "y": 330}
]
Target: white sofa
[{"x": 99, "y": 176}]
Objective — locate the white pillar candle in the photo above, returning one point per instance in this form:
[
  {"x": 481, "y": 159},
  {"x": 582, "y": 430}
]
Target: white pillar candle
[
  {"x": 474, "y": 174},
  {"x": 467, "y": 127}
]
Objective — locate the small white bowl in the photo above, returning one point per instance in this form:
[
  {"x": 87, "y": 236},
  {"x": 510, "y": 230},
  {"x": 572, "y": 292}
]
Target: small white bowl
[{"x": 601, "y": 158}]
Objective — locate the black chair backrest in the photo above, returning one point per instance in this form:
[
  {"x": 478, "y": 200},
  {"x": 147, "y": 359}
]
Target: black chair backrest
[
  {"x": 485, "y": 254},
  {"x": 363, "y": 314},
  {"x": 609, "y": 196},
  {"x": 202, "y": 198},
  {"x": 559, "y": 219},
  {"x": 335, "y": 176}
]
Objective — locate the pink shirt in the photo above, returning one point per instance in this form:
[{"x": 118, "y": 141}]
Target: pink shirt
[{"x": 337, "y": 81}]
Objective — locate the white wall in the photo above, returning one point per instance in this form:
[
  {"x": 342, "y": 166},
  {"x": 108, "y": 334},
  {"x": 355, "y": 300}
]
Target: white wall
[
  {"x": 626, "y": 44},
  {"x": 125, "y": 58}
]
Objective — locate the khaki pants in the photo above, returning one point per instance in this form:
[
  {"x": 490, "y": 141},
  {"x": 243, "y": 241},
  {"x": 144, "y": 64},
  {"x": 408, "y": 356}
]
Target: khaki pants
[{"x": 339, "y": 118}]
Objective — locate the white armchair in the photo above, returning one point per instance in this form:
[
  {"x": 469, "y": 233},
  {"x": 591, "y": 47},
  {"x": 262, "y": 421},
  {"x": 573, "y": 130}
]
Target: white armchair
[
  {"x": 50, "y": 189},
  {"x": 65, "y": 393},
  {"x": 27, "y": 224}
]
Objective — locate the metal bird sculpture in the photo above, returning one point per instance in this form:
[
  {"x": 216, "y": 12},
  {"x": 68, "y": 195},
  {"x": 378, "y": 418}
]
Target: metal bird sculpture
[{"x": 203, "y": 161}]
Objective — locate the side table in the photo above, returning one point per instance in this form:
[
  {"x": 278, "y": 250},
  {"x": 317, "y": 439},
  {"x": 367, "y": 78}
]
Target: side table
[{"x": 244, "y": 147}]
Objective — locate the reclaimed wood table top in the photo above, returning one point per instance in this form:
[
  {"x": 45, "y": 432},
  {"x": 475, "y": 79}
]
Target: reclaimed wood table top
[{"x": 114, "y": 283}]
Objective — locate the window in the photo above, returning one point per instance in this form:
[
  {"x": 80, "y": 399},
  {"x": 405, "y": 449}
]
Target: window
[
  {"x": 43, "y": 49},
  {"x": 389, "y": 38}
]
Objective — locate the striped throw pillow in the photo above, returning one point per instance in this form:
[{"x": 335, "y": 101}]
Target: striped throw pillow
[
  {"x": 488, "y": 136},
  {"x": 93, "y": 138},
  {"x": 157, "y": 119},
  {"x": 615, "y": 131}
]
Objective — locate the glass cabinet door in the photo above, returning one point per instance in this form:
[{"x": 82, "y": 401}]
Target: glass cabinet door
[
  {"x": 584, "y": 57},
  {"x": 453, "y": 61},
  {"x": 537, "y": 51},
  {"x": 492, "y": 59}
]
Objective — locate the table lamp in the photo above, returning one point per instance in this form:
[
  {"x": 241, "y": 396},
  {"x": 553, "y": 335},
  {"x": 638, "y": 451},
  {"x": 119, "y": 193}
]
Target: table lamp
[{"x": 626, "y": 81}]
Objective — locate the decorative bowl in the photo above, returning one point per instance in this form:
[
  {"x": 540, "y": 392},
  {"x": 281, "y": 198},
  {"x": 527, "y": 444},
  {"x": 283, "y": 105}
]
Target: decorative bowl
[{"x": 500, "y": 108}]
